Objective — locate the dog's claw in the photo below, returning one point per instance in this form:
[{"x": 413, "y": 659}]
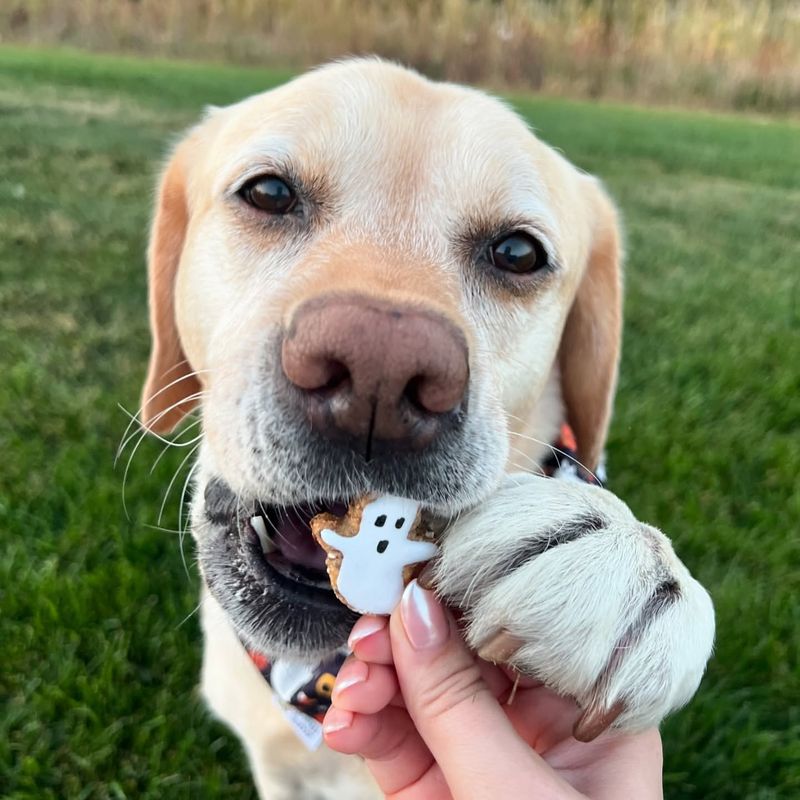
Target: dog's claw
[
  {"x": 499, "y": 648},
  {"x": 595, "y": 719},
  {"x": 427, "y": 577}
]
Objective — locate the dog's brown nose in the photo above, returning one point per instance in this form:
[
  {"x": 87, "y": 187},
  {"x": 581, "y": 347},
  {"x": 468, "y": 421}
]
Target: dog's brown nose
[{"x": 373, "y": 371}]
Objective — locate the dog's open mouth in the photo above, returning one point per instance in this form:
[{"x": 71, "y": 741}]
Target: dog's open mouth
[
  {"x": 275, "y": 542},
  {"x": 264, "y": 567},
  {"x": 287, "y": 546}
]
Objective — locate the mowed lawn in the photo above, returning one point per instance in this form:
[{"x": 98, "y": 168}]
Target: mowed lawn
[{"x": 99, "y": 645}]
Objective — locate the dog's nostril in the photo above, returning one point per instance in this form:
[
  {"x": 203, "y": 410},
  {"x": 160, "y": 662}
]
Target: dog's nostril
[
  {"x": 431, "y": 395},
  {"x": 338, "y": 375},
  {"x": 411, "y": 394},
  {"x": 319, "y": 374}
]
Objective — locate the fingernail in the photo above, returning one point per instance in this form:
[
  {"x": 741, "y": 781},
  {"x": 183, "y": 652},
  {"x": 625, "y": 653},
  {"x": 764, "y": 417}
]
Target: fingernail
[
  {"x": 352, "y": 673},
  {"x": 366, "y": 626},
  {"x": 423, "y": 617},
  {"x": 337, "y": 719}
]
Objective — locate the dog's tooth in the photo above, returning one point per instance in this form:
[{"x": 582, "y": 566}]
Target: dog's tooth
[{"x": 260, "y": 528}]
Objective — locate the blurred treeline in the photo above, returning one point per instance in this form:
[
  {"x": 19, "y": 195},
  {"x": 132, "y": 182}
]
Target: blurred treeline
[{"x": 742, "y": 54}]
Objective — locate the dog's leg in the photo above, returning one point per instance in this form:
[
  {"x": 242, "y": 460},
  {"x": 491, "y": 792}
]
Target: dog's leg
[
  {"x": 560, "y": 580},
  {"x": 283, "y": 769}
]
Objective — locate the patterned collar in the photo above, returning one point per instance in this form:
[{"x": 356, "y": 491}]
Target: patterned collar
[{"x": 304, "y": 690}]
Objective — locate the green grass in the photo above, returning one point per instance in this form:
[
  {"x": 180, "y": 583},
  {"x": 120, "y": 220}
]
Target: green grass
[{"x": 98, "y": 660}]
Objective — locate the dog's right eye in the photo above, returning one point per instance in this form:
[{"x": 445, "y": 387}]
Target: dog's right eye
[
  {"x": 270, "y": 194},
  {"x": 518, "y": 253}
]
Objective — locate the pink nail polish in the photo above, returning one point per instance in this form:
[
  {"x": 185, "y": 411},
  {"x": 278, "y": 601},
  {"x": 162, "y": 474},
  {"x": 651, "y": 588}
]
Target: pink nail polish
[
  {"x": 424, "y": 619},
  {"x": 353, "y": 673},
  {"x": 336, "y": 719},
  {"x": 366, "y": 626}
]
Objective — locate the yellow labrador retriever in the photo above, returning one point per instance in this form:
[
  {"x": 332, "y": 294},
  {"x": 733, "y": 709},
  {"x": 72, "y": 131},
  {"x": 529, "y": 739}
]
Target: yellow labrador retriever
[{"x": 375, "y": 283}]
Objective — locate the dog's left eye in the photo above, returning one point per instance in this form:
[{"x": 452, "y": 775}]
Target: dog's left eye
[
  {"x": 518, "y": 253},
  {"x": 270, "y": 194}
]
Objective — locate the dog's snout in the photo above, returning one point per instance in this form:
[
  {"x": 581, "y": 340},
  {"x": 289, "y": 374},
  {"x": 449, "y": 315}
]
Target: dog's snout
[{"x": 373, "y": 370}]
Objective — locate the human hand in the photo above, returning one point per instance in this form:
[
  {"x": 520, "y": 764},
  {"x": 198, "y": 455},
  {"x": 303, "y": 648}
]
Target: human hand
[{"x": 432, "y": 721}]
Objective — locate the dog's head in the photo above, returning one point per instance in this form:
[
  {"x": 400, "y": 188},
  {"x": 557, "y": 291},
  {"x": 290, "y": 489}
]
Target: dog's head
[{"x": 369, "y": 282}]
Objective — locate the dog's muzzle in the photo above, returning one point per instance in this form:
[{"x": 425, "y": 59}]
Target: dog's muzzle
[{"x": 264, "y": 567}]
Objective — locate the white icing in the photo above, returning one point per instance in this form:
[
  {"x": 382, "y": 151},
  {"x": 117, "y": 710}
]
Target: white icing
[{"x": 371, "y": 574}]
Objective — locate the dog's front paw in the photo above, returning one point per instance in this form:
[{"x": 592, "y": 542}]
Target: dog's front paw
[{"x": 562, "y": 582}]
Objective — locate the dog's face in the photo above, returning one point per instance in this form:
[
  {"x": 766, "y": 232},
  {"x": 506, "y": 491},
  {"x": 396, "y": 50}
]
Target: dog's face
[{"x": 367, "y": 280}]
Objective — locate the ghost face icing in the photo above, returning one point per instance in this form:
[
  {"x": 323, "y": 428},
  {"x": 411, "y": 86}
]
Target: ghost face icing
[{"x": 370, "y": 575}]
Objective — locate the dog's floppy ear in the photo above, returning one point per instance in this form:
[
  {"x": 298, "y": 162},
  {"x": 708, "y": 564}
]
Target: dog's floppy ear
[
  {"x": 589, "y": 350},
  {"x": 171, "y": 387}
]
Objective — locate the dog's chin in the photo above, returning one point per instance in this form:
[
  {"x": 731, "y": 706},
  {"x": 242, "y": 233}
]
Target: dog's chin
[{"x": 264, "y": 568}]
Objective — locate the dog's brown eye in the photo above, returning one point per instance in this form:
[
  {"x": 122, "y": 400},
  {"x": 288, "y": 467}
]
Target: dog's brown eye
[
  {"x": 269, "y": 194},
  {"x": 518, "y": 253}
]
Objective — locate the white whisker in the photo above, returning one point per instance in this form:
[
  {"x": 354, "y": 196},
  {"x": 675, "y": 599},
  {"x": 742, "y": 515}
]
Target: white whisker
[
  {"x": 161, "y": 528},
  {"x": 142, "y": 434},
  {"x": 178, "y": 444},
  {"x": 172, "y": 482},
  {"x": 181, "y": 527},
  {"x": 553, "y": 449},
  {"x": 532, "y": 461},
  {"x": 136, "y": 418},
  {"x": 191, "y": 613},
  {"x": 188, "y": 399}
]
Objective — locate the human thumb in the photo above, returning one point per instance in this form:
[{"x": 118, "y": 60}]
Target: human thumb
[{"x": 452, "y": 707}]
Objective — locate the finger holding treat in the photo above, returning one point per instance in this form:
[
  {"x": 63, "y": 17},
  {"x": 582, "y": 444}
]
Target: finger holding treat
[{"x": 373, "y": 550}]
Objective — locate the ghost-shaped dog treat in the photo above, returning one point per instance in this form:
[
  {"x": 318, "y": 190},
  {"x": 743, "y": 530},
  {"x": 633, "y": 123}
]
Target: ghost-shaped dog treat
[{"x": 371, "y": 552}]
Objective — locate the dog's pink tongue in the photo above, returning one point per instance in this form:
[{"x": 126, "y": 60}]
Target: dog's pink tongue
[{"x": 295, "y": 541}]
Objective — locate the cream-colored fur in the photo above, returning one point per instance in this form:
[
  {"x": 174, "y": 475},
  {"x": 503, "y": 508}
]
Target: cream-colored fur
[
  {"x": 283, "y": 768},
  {"x": 402, "y": 168}
]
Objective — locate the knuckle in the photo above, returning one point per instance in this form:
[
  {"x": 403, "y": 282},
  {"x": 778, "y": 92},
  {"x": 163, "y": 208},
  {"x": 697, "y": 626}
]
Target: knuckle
[
  {"x": 392, "y": 741},
  {"x": 456, "y": 687}
]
